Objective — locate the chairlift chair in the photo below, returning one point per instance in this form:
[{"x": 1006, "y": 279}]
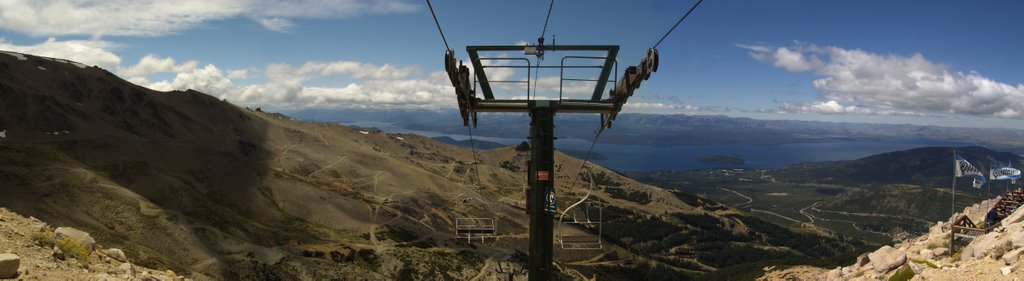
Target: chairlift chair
[
  {"x": 591, "y": 219},
  {"x": 472, "y": 228},
  {"x": 586, "y": 214},
  {"x": 475, "y": 228}
]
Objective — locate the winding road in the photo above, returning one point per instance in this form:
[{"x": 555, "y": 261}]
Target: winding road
[{"x": 749, "y": 200}]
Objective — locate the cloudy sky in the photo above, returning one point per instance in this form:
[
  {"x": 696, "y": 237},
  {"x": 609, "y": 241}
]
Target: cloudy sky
[{"x": 920, "y": 62}]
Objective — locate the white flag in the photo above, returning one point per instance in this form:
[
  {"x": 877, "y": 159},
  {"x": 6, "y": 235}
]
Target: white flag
[{"x": 962, "y": 168}]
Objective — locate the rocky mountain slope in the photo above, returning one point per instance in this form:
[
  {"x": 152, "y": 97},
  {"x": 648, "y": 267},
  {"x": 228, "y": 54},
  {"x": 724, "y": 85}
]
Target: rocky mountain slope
[
  {"x": 35, "y": 251},
  {"x": 186, "y": 182},
  {"x": 992, "y": 256}
]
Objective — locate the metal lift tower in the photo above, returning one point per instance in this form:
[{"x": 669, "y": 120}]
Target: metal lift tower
[{"x": 540, "y": 197}]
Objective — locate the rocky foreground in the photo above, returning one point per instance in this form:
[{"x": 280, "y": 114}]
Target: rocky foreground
[
  {"x": 32, "y": 250},
  {"x": 993, "y": 256}
]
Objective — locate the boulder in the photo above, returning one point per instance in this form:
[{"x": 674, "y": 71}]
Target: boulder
[
  {"x": 1006, "y": 270},
  {"x": 126, "y": 269},
  {"x": 1017, "y": 238},
  {"x": 58, "y": 253},
  {"x": 862, "y": 260},
  {"x": 937, "y": 231},
  {"x": 940, "y": 251},
  {"x": 916, "y": 267},
  {"x": 1013, "y": 228},
  {"x": 926, "y": 254},
  {"x": 83, "y": 238},
  {"x": 982, "y": 245},
  {"x": 834, "y": 274},
  {"x": 1015, "y": 217},
  {"x": 967, "y": 252},
  {"x": 9, "y": 264},
  {"x": 116, "y": 254},
  {"x": 1011, "y": 257},
  {"x": 887, "y": 258}
]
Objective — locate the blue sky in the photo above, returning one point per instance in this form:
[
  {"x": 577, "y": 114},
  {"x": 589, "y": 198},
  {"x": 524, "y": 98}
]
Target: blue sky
[{"x": 919, "y": 62}]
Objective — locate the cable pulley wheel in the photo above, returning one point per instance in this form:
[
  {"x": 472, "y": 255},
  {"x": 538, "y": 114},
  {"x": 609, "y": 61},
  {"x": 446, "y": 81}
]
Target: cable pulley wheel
[{"x": 653, "y": 54}]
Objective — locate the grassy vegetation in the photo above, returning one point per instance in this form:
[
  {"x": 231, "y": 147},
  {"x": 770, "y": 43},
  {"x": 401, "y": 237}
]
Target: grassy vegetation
[
  {"x": 72, "y": 249},
  {"x": 874, "y": 213},
  {"x": 44, "y": 239},
  {"x": 904, "y": 273},
  {"x": 640, "y": 197},
  {"x": 510, "y": 165},
  {"x": 68, "y": 246},
  {"x": 936, "y": 244},
  {"x": 925, "y": 262},
  {"x": 712, "y": 242},
  {"x": 601, "y": 179},
  {"x": 638, "y": 272}
]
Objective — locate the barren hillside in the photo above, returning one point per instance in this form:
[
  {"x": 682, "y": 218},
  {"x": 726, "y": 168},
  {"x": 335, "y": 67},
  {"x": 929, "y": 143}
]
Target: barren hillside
[{"x": 183, "y": 181}]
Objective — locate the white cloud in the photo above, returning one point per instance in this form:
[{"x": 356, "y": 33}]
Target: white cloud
[
  {"x": 384, "y": 86},
  {"x": 238, "y": 73},
  {"x": 208, "y": 80},
  {"x": 795, "y": 61},
  {"x": 893, "y": 83},
  {"x": 792, "y": 60},
  {"x": 658, "y": 106},
  {"x": 330, "y": 8},
  {"x": 828, "y": 107},
  {"x": 757, "y": 49},
  {"x": 112, "y": 17},
  {"x": 93, "y": 52},
  {"x": 150, "y": 64},
  {"x": 155, "y": 17},
  {"x": 276, "y": 24},
  {"x": 374, "y": 86},
  {"x": 316, "y": 69}
]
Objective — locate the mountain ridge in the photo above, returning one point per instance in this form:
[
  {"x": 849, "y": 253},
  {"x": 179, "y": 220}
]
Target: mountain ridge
[
  {"x": 185, "y": 181},
  {"x": 678, "y": 129}
]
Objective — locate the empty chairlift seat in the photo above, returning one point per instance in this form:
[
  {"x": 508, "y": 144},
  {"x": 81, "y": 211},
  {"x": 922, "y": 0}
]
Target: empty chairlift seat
[
  {"x": 587, "y": 220},
  {"x": 475, "y": 228}
]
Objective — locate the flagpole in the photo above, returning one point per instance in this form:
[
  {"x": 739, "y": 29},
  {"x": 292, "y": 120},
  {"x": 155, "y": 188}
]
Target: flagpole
[
  {"x": 952, "y": 205},
  {"x": 989, "y": 182}
]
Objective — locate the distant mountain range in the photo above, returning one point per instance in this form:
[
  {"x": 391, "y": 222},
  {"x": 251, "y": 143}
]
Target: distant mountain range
[
  {"x": 928, "y": 166},
  {"x": 479, "y": 144},
  {"x": 668, "y": 130}
]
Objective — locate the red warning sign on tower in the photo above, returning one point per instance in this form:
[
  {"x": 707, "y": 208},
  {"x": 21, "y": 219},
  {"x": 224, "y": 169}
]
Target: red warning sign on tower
[{"x": 543, "y": 176}]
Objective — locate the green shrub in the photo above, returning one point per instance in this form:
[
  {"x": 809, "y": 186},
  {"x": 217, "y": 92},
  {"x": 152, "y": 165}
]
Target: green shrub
[
  {"x": 44, "y": 239},
  {"x": 955, "y": 257},
  {"x": 924, "y": 262},
  {"x": 72, "y": 249},
  {"x": 902, "y": 274}
]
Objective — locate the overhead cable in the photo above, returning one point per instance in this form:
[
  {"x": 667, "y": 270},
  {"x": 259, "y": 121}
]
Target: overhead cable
[{"x": 677, "y": 23}]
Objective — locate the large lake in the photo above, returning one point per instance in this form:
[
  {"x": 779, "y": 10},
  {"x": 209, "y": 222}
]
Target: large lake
[{"x": 648, "y": 158}]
